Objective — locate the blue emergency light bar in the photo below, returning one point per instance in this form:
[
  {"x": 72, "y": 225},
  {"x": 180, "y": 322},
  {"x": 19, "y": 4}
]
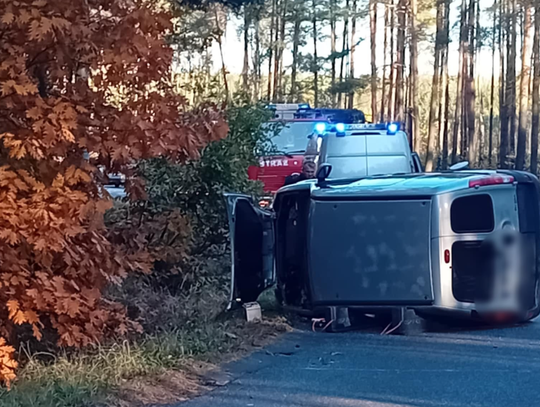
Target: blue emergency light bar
[
  {"x": 320, "y": 127},
  {"x": 391, "y": 128},
  {"x": 303, "y": 106}
]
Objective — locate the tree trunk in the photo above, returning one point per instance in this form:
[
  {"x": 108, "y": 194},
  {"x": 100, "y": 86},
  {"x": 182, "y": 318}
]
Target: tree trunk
[
  {"x": 343, "y": 49},
  {"x": 414, "y": 78},
  {"x": 446, "y": 122},
  {"x": 223, "y": 69},
  {"x": 481, "y": 132},
  {"x": 257, "y": 58},
  {"x": 296, "y": 45},
  {"x": 400, "y": 48},
  {"x": 511, "y": 77},
  {"x": 480, "y": 122},
  {"x": 459, "y": 87},
  {"x": 245, "y": 68},
  {"x": 492, "y": 86},
  {"x": 445, "y": 115},
  {"x": 385, "y": 53},
  {"x": 271, "y": 50},
  {"x": 392, "y": 81},
  {"x": 432, "y": 142},
  {"x": 504, "y": 141},
  {"x": 535, "y": 127},
  {"x": 470, "y": 94},
  {"x": 281, "y": 45},
  {"x": 220, "y": 30},
  {"x": 315, "y": 57},
  {"x": 353, "y": 49},
  {"x": 279, "y": 3},
  {"x": 373, "y": 45},
  {"x": 333, "y": 50},
  {"x": 524, "y": 87}
]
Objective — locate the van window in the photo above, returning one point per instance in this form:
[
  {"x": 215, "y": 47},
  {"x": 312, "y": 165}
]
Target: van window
[{"x": 472, "y": 214}]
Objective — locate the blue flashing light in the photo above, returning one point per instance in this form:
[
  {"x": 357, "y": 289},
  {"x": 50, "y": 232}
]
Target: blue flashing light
[
  {"x": 340, "y": 128},
  {"x": 271, "y": 107},
  {"x": 392, "y": 128},
  {"x": 320, "y": 127},
  {"x": 303, "y": 106}
]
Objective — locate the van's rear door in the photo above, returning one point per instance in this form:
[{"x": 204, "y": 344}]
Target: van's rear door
[{"x": 251, "y": 231}]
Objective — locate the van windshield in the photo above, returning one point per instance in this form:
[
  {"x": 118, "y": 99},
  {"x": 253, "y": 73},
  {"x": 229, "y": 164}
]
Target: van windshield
[{"x": 291, "y": 137}]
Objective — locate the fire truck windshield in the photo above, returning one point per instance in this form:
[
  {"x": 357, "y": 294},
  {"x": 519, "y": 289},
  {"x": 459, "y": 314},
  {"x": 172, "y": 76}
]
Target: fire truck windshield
[{"x": 292, "y": 138}]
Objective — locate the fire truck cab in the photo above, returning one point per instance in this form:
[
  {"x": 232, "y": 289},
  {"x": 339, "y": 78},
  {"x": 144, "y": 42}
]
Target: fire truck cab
[{"x": 296, "y": 123}]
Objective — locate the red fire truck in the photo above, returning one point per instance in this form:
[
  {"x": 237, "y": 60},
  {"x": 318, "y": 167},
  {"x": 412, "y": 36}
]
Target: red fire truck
[
  {"x": 290, "y": 142},
  {"x": 299, "y": 121}
]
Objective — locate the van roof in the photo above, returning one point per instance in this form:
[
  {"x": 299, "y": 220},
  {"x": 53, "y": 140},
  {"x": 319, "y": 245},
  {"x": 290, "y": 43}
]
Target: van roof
[{"x": 405, "y": 185}]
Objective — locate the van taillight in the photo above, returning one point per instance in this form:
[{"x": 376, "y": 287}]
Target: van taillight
[
  {"x": 491, "y": 180},
  {"x": 447, "y": 256}
]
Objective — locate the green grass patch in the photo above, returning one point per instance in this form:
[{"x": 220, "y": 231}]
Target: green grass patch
[{"x": 98, "y": 375}]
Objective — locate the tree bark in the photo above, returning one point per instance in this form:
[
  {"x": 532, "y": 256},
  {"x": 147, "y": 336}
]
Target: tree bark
[
  {"x": 373, "y": 45},
  {"x": 281, "y": 45},
  {"x": 245, "y": 68},
  {"x": 459, "y": 87},
  {"x": 432, "y": 142},
  {"x": 470, "y": 93},
  {"x": 510, "y": 98},
  {"x": 282, "y": 48},
  {"x": 392, "y": 81},
  {"x": 315, "y": 57},
  {"x": 219, "y": 36},
  {"x": 343, "y": 49},
  {"x": 333, "y": 50},
  {"x": 535, "y": 126},
  {"x": 503, "y": 110},
  {"x": 524, "y": 87},
  {"x": 353, "y": 49},
  {"x": 385, "y": 53},
  {"x": 492, "y": 86},
  {"x": 257, "y": 57},
  {"x": 296, "y": 46},
  {"x": 414, "y": 78},
  {"x": 223, "y": 69},
  {"x": 446, "y": 78},
  {"x": 279, "y": 3},
  {"x": 271, "y": 51},
  {"x": 400, "y": 63}
]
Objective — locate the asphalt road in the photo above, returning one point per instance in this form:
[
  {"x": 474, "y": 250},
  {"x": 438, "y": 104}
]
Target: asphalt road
[{"x": 498, "y": 367}]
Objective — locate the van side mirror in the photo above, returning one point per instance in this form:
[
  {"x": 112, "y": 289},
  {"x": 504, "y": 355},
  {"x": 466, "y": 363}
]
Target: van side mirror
[
  {"x": 464, "y": 165},
  {"x": 323, "y": 172}
]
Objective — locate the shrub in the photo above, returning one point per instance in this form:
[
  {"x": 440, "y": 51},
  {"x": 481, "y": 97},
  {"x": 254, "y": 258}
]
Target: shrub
[
  {"x": 79, "y": 91},
  {"x": 183, "y": 218}
]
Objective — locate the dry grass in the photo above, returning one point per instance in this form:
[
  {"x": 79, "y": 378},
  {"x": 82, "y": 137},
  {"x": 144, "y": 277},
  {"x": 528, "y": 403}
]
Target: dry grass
[{"x": 188, "y": 336}]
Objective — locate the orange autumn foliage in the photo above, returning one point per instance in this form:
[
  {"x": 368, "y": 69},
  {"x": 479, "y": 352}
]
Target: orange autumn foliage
[{"x": 83, "y": 85}]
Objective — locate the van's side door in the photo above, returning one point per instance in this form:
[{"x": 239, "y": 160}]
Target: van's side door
[{"x": 252, "y": 237}]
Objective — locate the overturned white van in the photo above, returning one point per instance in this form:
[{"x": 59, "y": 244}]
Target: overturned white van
[{"x": 462, "y": 244}]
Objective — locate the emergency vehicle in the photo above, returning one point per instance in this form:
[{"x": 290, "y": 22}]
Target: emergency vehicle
[{"x": 298, "y": 122}]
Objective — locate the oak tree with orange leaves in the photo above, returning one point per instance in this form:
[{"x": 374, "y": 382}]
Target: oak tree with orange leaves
[{"x": 83, "y": 92}]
